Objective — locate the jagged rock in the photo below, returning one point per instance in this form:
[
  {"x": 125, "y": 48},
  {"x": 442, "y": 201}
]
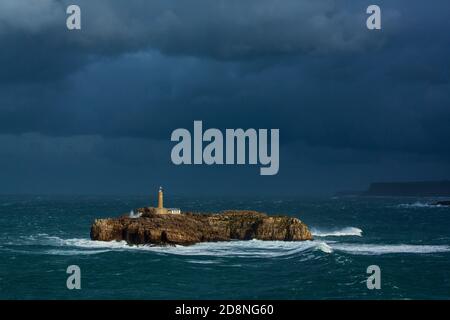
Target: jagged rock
[{"x": 190, "y": 228}]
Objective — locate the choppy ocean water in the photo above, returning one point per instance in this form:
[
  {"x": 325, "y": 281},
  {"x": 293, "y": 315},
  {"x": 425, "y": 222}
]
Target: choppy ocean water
[{"x": 40, "y": 236}]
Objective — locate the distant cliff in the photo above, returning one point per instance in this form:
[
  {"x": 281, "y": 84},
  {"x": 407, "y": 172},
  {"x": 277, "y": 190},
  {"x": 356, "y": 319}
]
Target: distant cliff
[
  {"x": 409, "y": 189},
  {"x": 190, "y": 228}
]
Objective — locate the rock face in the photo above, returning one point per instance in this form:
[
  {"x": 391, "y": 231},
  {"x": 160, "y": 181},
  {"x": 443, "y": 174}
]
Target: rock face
[{"x": 190, "y": 228}]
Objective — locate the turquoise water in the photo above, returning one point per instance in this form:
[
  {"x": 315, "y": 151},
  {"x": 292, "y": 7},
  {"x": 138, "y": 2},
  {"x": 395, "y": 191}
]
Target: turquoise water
[{"x": 408, "y": 239}]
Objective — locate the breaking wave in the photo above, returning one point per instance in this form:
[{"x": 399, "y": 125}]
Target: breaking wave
[
  {"x": 418, "y": 204},
  {"x": 74, "y": 252},
  {"x": 242, "y": 249},
  {"x": 324, "y": 247},
  {"x": 378, "y": 249},
  {"x": 345, "y": 232}
]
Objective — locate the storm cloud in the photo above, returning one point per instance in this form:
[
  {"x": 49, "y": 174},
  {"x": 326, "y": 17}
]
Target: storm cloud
[{"x": 344, "y": 98}]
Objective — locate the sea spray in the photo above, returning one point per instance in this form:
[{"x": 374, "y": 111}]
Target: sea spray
[
  {"x": 344, "y": 232},
  {"x": 135, "y": 215}
]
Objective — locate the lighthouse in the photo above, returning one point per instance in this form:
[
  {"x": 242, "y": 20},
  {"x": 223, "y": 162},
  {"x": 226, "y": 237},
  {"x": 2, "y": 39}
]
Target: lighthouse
[
  {"x": 160, "y": 208},
  {"x": 160, "y": 198}
]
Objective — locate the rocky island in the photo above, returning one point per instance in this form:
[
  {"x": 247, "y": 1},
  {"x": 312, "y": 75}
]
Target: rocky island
[
  {"x": 190, "y": 228},
  {"x": 162, "y": 226}
]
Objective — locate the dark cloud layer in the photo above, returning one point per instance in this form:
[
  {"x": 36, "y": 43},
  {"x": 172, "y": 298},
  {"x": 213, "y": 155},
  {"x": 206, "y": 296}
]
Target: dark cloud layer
[
  {"x": 224, "y": 30},
  {"x": 366, "y": 105}
]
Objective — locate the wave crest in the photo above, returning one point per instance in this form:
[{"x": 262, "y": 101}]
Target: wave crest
[
  {"x": 378, "y": 249},
  {"x": 344, "y": 232},
  {"x": 241, "y": 249},
  {"x": 417, "y": 205}
]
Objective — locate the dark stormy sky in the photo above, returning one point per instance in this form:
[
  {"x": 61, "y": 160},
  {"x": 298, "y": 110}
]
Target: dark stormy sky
[{"x": 92, "y": 111}]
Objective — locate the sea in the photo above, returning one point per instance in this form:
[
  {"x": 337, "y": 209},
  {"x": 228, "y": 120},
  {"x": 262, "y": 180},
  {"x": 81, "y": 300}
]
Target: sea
[{"x": 407, "y": 238}]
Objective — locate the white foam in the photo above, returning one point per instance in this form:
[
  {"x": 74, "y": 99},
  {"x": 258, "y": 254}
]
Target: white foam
[
  {"x": 74, "y": 252},
  {"x": 378, "y": 249},
  {"x": 324, "y": 247},
  {"x": 133, "y": 215},
  {"x": 417, "y": 204},
  {"x": 242, "y": 249},
  {"x": 344, "y": 232},
  {"x": 203, "y": 261}
]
